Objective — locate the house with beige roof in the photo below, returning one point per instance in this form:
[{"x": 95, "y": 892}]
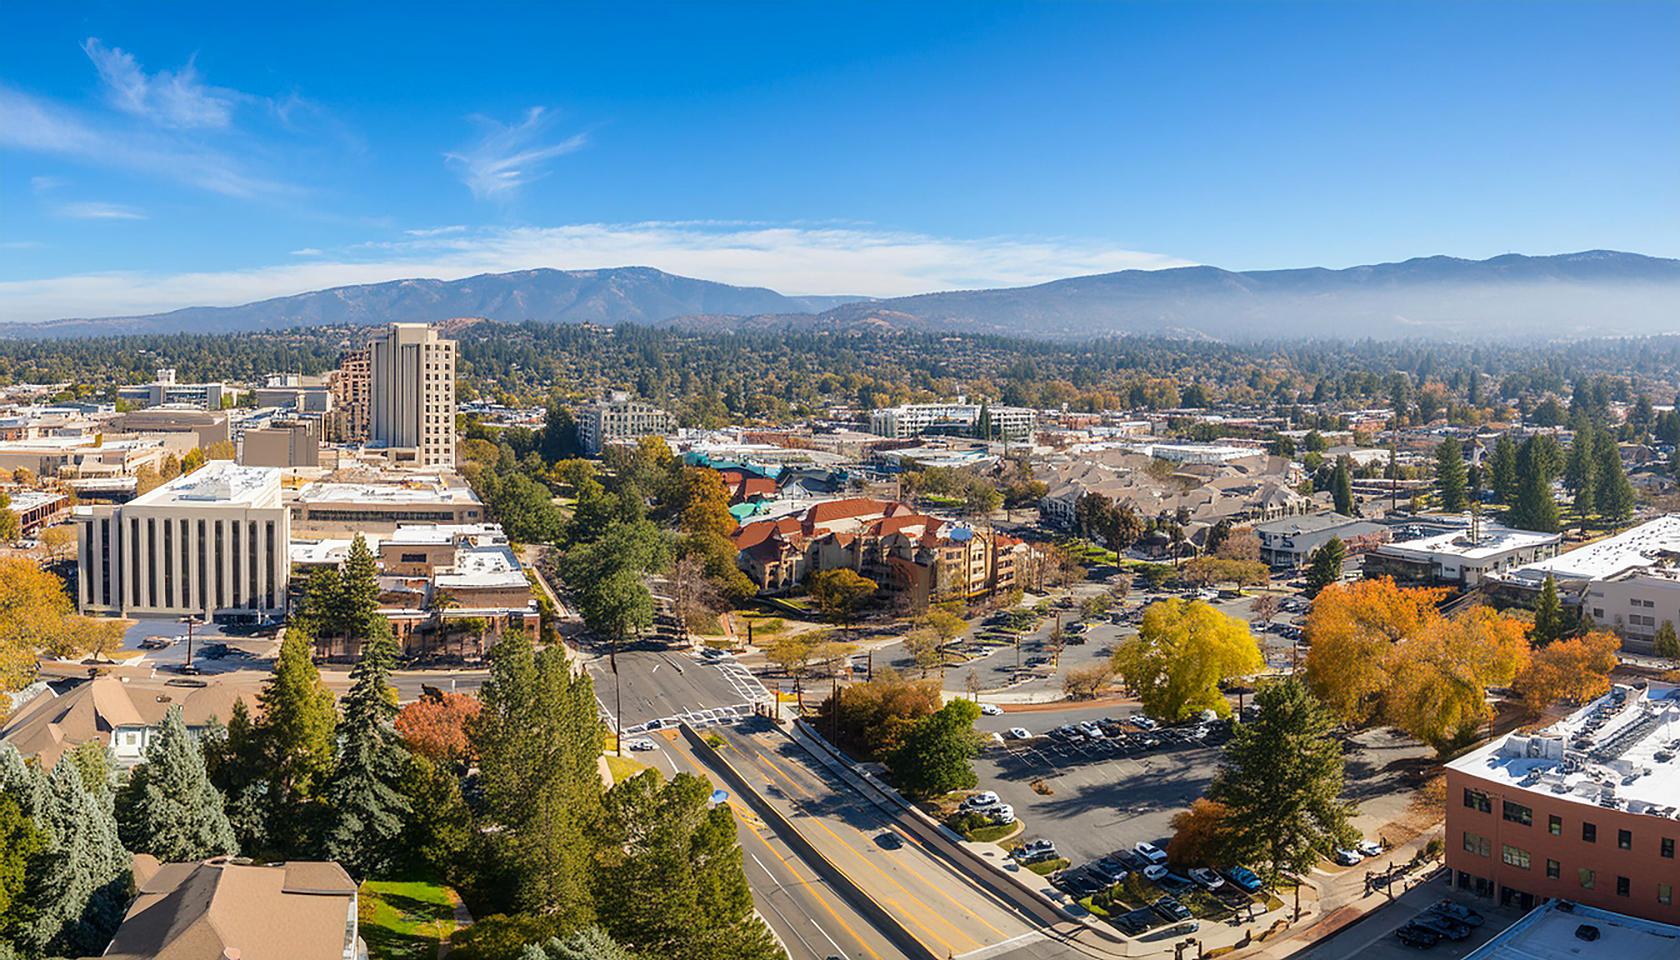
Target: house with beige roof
[{"x": 227, "y": 907}]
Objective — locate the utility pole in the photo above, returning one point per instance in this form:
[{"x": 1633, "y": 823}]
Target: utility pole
[{"x": 618, "y": 700}]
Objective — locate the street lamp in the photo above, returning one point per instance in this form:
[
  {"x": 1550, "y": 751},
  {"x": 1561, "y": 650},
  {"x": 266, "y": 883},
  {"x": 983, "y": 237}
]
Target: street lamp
[{"x": 190, "y": 621}]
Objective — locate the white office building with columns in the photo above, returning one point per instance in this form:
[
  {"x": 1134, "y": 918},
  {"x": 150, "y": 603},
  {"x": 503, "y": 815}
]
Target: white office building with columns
[{"x": 213, "y": 543}]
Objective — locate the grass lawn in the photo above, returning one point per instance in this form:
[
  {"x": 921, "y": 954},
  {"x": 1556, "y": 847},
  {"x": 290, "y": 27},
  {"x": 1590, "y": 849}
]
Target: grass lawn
[
  {"x": 1044, "y": 868},
  {"x": 405, "y": 920},
  {"x": 623, "y": 768}
]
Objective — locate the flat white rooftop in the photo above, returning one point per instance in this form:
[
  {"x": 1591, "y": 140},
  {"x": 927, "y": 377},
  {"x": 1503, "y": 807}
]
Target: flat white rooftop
[
  {"x": 219, "y": 482},
  {"x": 1548, "y": 933},
  {"x": 410, "y": 490},
  {"x": 1618, "y": 752},
  {"x": 1494, "y": 540},
  {"x": 483, "y": 567},
  {"x": 1638, "y": 547}
]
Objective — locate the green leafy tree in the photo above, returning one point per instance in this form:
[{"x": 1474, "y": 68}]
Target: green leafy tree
[
  {"x": 296, "y": 732},
  {"x": 169, "y": 808},
  {"x": 938, "y": 754},
  {"x": 671, "y": 881},
  {"x": 537, "y": 739},
  {"x": 1548, "y": 614},
  {"x": 1181, "y": 654},
  {"x": 1281, "y": 783},
  {"x": 365, "y": 796},
  {"x": 840, "y": 593},
  {"x": 1324, "y": 565},
  {"x": 1451, "y": 482},
  {"x": 1667, "y": 643}
]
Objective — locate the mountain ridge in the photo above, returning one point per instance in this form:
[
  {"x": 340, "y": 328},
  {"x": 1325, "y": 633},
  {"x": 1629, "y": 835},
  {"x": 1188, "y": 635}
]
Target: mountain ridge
[{"x": 1587, "y": 293}]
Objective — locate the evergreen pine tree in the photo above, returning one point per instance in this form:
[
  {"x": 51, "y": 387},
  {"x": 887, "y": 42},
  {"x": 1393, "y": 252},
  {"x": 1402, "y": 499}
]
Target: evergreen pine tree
[
  {"x": 1451, "y": 483},
  {"x": 1281, "y": 781},
  {"x": 1534, "y": 508},
  {"x": 1324, "y": 565},
  {"x": 1548, "y": 614},
  {"x": 75, "y": 891},
  {"x": 1502, "y": 468},
  {"x": 364, "y": 798},
  {"x": 296, "y": 733},
  {"x": 168, "y": 808},
  {"x": 1341, "y": 488},
  {"x": 537, "y": 739},
  {"x": 233, "y": 756},
  {"x": 1614, "y": 494},
  {"x": 590, "y": 943},
  {"x": 359, "y": 596},
  {"x": 983, "y": 423}
]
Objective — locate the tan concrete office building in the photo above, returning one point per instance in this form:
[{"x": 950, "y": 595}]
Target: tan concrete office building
[
  {"x": 412, "y": 395},
  {"x": 213, "y": 543}
]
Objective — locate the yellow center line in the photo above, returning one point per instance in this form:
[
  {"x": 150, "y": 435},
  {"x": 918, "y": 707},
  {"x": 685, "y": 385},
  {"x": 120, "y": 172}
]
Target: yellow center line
[
  {"x": 889, "y": 877},
  {"x": 937, "y": 888},
  {"x": 811, "y": 888}
]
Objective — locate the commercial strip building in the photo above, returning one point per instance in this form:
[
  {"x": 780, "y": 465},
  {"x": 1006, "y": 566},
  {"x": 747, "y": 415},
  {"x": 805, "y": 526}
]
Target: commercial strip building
[
  {"x": 618, "y": 417},
  {"x": 1287, "y": 544},
  {"x": 1629, "y": 583},
  {"x": 36, "y": 508},
  {"x": 212, "y": 543},
  {"x": 334, "y": 508},
  {"x": 204, "y": 426},
  {"x": 411, "y": 395},
  {"x": 1566, "y": 930},
  {"x": 915, "y": 558},
  {"x": 1584, "y": 810},
  {"x": 1462, "y": 552},
  {"x": 958, "y": 419}
]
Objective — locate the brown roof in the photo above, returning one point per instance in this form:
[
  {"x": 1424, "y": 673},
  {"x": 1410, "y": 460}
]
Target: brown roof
[
  {"x": 199, "y": 911},
  {"x": 73, "y": 711}
]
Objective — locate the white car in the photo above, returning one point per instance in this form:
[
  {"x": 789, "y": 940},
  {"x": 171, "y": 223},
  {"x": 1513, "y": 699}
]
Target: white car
[
  {"x": 1154, "y": 871},
  {"x": 640, "y": 743},
  {"x": 984, "y": 800},
  {"x": 1369, "y": 848},
  {"x": 1207, "y": 878},
  {"x": 1149, "y": 852},
  {"x": 1002, "y": 813},
  {"x": 714, "y": 654},
  {"x": 1020, "y": 733},
  {"x": 991, "y": 710},
  {"x": 1346, "y": 857}
]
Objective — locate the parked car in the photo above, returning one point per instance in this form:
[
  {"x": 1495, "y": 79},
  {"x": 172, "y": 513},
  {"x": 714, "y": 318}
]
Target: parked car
[
  {"x": 991, "y": 710},
  {"x": 1142, "y": 722},
  {"x": 1369, "y": 848},
  {"x": 1136, "y": 922},
  {"x": 1155, "y": 871},
  {"x": 1083, "y": 883},
  {"x": 1001, "y": 814},
  {"x": 1451, "y": 929},
  {"x": 1035, "y": 847},
  {"x": 1206, "y": 878},
  {"x": 1111, "y": 869},
  {"x": 979, "y": 802},
  {"x": 639, "y": 744},
  {"x": 1170, "y": 908},
  {"x": 1346, "y": 857},
  {"x": 1090, "y": 729},
  {"x": 715, "y": 654},
  {"x": 1020, "y": 733},
  {"x": 1244, "y": 879},
  {"x": 1150, "y": 852},
  {"x": 157, "y": 643},
  {"x": 1174, "y": 883},
  {"x": 1457, "y": 911},
  {"x": 1417, "y": 937}
]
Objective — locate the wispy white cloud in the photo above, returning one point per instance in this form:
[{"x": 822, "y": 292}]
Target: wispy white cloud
[
  {"x": 98, "y": 210},
  {"x": 46, "y": 127},
  {"x": 307, "y": 252},
  {"x": 798, "y": 259},
  {"x": 169, "y": 98},
  {"x": 46, "y": 184},
  {"x": 508, "y": 157},
  {"x": 436, "y": 231}
]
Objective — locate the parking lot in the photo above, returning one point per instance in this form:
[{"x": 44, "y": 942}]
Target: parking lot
[{"x": 1375, "y": 937}]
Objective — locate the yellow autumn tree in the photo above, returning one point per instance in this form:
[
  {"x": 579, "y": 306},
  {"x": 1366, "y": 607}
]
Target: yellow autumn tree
[
  {"x": 1181, "y": 654},
  {"x": 38, "y": 618},
  {"x": 1439, "y": 677},
  {"x": 1573, "y": 671},
  {"x": 1353, "y": 628}
]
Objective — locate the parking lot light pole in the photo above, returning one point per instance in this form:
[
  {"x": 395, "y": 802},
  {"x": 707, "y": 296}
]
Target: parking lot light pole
[{"x": 190, "y": 621}]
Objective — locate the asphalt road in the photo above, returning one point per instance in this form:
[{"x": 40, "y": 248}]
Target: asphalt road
[
  {"x": 936, "y": 902},
  {"x": 670, "y": 686},
  {"x": 811, "y": 919}
]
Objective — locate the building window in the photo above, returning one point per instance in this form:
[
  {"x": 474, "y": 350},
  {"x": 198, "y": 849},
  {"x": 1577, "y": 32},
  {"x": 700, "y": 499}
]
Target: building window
[
  {"x": 1668, "y": 847},
  {"x": 1515, "y": 857},
  {"x": 1624, "y": 839},
  {"x": 1553, "y": 869},
  {"x": 1554, "y": 825},
  {"x": 1588, "y": 878},
  {"x": 1624, "y": 886},
  {"x": 1479, "y": 845},
  {"x": 1665, "y": 893},
  {"x": 1477, "y": 800},
  {"x": 1517, "y": 813},
  {"x": 1589, "y": 832}
]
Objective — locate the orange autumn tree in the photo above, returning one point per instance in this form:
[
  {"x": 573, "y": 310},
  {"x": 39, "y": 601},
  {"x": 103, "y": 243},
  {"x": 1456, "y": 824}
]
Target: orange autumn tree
[
  {"x": 437, "y": 726},
  {"x": 1201, "y": 835},
  {"x": 1353, "y": 629},
  {"x": 1438, "y": 691},
  {"x": 1573, "y": 671}
]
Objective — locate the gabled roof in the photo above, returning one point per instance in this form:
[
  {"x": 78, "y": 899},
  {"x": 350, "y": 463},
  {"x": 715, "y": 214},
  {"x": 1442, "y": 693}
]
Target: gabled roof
[{"x": 74, "y": 711}]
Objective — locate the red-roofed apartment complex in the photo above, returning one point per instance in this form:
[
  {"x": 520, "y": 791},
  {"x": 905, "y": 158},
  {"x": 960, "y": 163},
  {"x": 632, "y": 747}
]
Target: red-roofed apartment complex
[{"x": 916, "y": 558}]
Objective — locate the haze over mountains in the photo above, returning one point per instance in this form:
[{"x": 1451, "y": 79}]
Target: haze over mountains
[{"x": 1594, "y": 293}]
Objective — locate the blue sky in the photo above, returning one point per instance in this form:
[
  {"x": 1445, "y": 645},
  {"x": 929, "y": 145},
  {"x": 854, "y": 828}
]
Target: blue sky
[{"x": 159, "y": 155}]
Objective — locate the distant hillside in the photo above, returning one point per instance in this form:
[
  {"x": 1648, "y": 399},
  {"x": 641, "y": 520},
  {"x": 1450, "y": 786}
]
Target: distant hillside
[
  {"x": 1596, "y": 293},
  {"x": 620, "y": 295}
]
